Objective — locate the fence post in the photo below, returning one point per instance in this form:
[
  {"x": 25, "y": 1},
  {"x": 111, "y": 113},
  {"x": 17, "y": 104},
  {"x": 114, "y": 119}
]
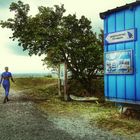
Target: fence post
[
  {"x": 59, "y": 82},
  {"x": 66, "y": 97}
]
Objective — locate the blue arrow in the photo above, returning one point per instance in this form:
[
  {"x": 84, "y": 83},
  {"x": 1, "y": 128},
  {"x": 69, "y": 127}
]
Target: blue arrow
[{"x": 130, "y": 35}]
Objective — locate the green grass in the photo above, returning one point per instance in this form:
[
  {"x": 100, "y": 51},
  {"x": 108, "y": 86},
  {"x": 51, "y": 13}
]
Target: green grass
[
  {"x": 31, "y": 82},
  {"x": 118, "y": 124},
  {"x": 105, "y": 116}
]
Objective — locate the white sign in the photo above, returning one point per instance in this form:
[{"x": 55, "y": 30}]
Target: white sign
[
  {"x": 123, "y": 36},
  {"x": 62, "y": 71}
]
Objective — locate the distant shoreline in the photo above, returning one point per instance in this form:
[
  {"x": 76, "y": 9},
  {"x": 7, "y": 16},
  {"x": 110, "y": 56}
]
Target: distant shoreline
[{"x": 22, "y": 75}]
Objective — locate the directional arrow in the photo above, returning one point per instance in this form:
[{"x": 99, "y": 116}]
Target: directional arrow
[{"x": 123, "y": 36}]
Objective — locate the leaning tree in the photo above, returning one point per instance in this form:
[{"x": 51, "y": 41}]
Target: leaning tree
[{"x": 62, "y": 38}]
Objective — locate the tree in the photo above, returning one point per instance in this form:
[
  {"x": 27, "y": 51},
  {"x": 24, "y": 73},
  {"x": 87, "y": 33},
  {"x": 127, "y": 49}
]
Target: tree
[{"x": 61, "y": 38}]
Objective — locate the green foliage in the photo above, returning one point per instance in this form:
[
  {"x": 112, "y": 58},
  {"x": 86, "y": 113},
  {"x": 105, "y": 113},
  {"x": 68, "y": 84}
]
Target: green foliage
[
  {"x": 97, "y": 89},
  {"x": 49, "y": 76},
  {"x": 61, "y": 38}
]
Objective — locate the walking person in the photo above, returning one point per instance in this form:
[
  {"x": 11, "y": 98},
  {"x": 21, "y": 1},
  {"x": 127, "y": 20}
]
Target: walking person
[{"x": 5, "y": 81}]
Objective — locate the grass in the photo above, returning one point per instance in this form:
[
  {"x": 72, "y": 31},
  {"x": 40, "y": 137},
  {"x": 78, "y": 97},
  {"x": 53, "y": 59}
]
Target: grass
[
  {"x": 118, "y": 124},
  {"x": 103, "y": 115},
  {"x": 31, "y": 82}
]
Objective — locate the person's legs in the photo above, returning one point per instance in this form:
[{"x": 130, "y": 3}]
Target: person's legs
[
  {"x": 6, "y": 88},
  {"x": 7, "y": 98}
]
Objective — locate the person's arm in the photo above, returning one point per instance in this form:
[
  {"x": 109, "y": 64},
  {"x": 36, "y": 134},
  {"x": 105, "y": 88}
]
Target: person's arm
[{"x": 12, "y": 79}]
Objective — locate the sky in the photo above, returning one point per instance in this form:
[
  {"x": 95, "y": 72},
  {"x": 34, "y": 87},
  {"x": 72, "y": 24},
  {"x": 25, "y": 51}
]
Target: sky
[{"x": 12, "y": 55}]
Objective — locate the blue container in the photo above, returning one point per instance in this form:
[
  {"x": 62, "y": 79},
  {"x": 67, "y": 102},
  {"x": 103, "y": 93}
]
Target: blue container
[{"x": 122, "y": 53}]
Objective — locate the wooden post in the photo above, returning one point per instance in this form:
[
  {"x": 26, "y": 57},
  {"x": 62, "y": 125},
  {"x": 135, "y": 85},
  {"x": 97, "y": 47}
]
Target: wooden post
[
  {"x": 59, "y": 82},
  {"x": 65, "y": 84},
  {"x": 62, "y": 81},
  {"x": 66, "y": 97}
]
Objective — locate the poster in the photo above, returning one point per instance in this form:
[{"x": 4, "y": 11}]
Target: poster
[
  {"x": 119, "y": 62},
  {"x": 62, "y": 71}
]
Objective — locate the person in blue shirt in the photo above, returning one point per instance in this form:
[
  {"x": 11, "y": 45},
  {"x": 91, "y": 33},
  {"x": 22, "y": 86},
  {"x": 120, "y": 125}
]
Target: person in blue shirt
[{"x": 5, "y": 81}]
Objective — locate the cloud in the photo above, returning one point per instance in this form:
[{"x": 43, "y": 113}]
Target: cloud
[
  {"x": 22, "y": 64},
  {"x": 5, "y": 3},
  {"x": 17, "y": 50},
  {"x": 89, "y": 8},
  {"x": 4, "y": 39}
]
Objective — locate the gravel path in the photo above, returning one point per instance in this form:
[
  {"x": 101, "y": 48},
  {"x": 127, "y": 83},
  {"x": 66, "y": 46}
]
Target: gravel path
[{"x": 20, "y": 120}]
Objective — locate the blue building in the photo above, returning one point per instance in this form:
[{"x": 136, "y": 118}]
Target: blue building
[{"x": 122, "y": 53}]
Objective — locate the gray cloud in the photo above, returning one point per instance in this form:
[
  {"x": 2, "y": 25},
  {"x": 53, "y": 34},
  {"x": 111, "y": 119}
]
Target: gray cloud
[
  {"x": 6, "y": 3},
  {"x": 16, "y": 50}
]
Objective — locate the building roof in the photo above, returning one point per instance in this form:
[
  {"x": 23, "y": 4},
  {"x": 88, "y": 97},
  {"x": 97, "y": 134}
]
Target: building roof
[{"x": 127, "y": 6}]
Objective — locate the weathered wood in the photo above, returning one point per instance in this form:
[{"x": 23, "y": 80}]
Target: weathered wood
[
  {"x": 66, "y": 97},
  {"x": 59, "y": 82},
  {"x": 83, "y": 98}
]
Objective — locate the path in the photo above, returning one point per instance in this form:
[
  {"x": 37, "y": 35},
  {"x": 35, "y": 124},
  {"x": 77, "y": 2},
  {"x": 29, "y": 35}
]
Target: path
[{"x": 20, "y": 120}]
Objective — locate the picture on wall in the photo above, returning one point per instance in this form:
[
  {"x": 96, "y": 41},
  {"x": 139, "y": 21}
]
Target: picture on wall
[{"x": 119, "y": 62}]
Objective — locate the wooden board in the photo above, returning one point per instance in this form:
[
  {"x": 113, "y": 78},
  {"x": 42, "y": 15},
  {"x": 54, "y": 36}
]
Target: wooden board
[{"x": 83, "y": 98}]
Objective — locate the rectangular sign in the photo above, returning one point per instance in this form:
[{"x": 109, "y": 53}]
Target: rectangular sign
[
  {"x": 119, "y": 62},
  {"x": 62, "y": 71},
  {"x": 122, "y": 36}
]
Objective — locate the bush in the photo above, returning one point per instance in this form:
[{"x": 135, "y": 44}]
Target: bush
[
  {"x": 75, "y": 88},
  {"x": 49, "y": 76}
]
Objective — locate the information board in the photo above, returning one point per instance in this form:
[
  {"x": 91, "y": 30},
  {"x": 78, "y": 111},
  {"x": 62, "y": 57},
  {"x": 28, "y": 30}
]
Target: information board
[{"x": 119, "y": 62}]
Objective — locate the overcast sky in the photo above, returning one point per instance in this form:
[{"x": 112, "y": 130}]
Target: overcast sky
[{"x": 12, "y": 55}]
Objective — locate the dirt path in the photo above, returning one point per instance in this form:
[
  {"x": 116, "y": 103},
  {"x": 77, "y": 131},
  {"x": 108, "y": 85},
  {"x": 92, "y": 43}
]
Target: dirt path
[{"x": 21, "y": 120}]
